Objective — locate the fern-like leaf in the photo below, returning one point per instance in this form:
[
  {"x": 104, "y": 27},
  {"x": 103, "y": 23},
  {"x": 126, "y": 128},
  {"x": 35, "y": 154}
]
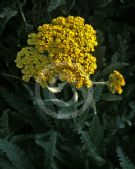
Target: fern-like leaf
[
  {"x": 96, "y": 132},
  {"x": 54, "y": 4},
  {"x": 90, "y": 147},
  {"x": 125, "y": 162},
  {"x": 50, "y": 150},
  {"x": 20, "y": 105},
  {"x": 16, "y": 156}
]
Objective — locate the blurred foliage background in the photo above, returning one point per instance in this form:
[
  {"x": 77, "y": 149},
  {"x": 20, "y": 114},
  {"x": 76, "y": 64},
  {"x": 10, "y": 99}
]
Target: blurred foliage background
[{"x": 30, "y": 139}]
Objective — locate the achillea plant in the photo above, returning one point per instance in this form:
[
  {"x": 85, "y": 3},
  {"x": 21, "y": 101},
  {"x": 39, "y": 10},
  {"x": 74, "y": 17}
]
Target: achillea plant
[{"x": 63, "y": 50}]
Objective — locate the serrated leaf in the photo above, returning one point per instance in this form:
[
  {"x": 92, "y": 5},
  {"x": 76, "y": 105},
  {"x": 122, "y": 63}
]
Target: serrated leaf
[
  {"x": 54, "y": 4},
  {"x": 90, "y": 147},
  {"x": 16, "y": 156},
  {"x": 50, "y": 149},
  {"x": 96, "y": 132},
  {"x": 125, "y": 162},
  {"x": 19, "y": 104}
]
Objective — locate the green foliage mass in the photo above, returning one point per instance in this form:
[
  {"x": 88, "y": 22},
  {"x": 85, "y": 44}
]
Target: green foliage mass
[{"x": 29, "y": 138}]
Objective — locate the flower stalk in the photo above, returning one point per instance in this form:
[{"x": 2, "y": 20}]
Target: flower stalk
[{"x": 100, "y": 83}]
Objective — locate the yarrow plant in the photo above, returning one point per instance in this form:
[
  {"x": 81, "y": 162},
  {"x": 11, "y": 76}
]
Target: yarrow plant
[{"x": 64, "y": 50}]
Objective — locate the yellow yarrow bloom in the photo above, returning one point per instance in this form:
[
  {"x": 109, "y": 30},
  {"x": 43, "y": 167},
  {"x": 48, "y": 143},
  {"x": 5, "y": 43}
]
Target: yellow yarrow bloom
[
  {"x": 61, "y": 49},
  {"x": 116, "y": 80}
]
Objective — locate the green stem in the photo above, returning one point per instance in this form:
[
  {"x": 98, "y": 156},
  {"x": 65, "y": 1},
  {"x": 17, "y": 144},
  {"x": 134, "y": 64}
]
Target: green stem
[
  {"x": 100, "y": 83},
  {"x": 22, "y": 14}
]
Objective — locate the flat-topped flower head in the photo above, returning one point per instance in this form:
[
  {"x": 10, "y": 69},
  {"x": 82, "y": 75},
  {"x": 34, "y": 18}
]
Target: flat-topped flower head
[
  {"x": 116, "y": 81},
  {"x": 61, "y": 49}
]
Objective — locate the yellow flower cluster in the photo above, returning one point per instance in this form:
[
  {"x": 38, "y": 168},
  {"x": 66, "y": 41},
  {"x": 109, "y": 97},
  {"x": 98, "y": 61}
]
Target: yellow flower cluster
[
  {"x": 62, "y": 49},
  {"x": 116, "y": 80}
]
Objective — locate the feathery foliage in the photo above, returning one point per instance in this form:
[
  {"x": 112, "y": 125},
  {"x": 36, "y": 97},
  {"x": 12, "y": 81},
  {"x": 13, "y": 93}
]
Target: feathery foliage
[
  {"x": 16, "y": 156},
  {"x": 125, "y": 162}
]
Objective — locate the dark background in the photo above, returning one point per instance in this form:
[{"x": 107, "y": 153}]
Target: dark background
[{"x": 29, "y": 139}]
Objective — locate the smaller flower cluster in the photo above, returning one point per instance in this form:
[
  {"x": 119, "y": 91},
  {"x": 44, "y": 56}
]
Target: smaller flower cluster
[{"x": 116, "y": 81}]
